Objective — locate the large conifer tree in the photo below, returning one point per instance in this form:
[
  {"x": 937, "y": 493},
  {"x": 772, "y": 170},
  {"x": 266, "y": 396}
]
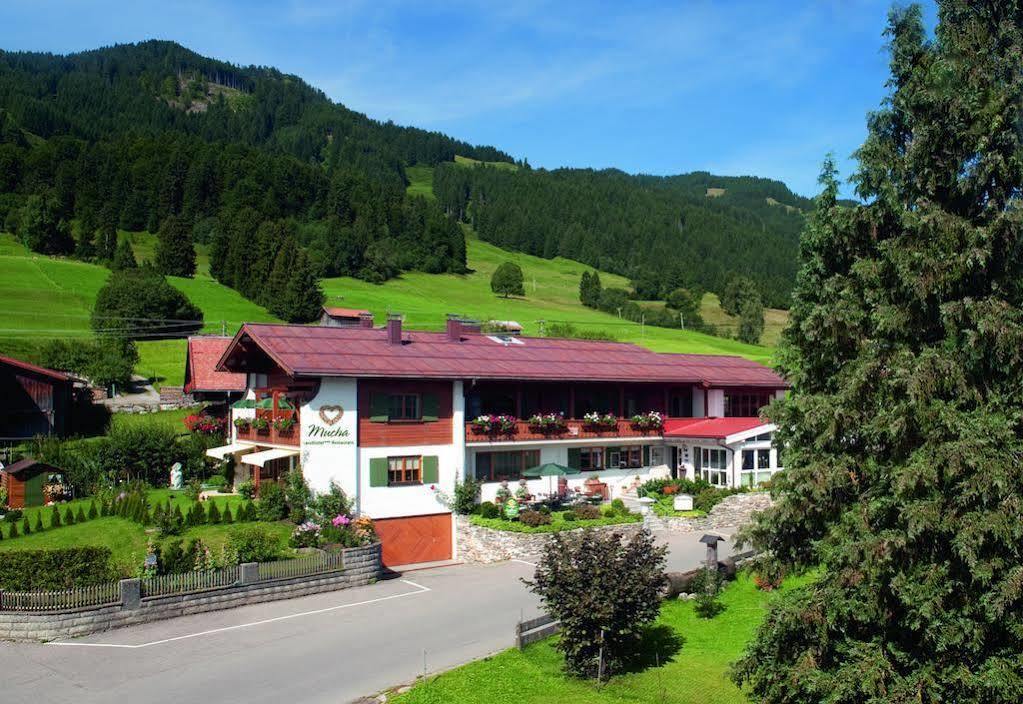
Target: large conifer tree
[
  {"x": 903, "y": 455},
  {"x": 175, "y": 251}
]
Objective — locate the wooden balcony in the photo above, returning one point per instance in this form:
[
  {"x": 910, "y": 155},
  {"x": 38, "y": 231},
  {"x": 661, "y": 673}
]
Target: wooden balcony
[
  {"x": 271, "y": 435},
  {"x": 574, "y": 430}
]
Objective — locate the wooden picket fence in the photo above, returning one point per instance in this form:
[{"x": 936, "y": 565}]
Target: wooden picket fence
[
  {"x": 187, "y": 582},
  {"x": 301, "y": 567},
  {"x": 63, "y": 599}
]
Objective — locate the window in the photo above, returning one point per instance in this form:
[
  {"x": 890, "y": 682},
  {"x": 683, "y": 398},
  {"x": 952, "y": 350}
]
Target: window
[
  {"x": 404, "y": 470},
  {"x": 632, "y": 457},
  {"x": 681, "y": 404},
  {"x": 756, "y": 467},
  {"x": 403, "y": 407},
  {"x": 712, "y": 465},
  {"x": 500, "y": 466},
  {"x": 591, "y": 458},
  {"x": 745, "y": 405}
]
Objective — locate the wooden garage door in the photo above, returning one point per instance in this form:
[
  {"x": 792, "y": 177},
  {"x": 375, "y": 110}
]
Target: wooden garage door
[{"x": 414, "y": 539}]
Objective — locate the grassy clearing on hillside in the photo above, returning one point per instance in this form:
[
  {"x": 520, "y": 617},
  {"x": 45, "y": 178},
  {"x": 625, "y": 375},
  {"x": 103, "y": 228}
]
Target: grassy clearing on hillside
[
  {"x": 45, "y": 297},
  {"x": 466, "y": 161},
  {"x": 552, "y": 294},
  {"x": 696, "y": 672},
  {"x": 420, "y": 181},
  {"x": 775, "y": 319}
]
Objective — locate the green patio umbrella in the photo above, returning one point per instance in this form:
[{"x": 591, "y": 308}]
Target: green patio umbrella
[{"x": 549, "y": 469}]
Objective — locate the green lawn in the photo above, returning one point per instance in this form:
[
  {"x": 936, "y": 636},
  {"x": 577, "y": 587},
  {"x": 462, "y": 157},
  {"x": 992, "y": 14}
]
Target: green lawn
[
  {"x": 696, "y": 674},
  {"x": 126, "y": 539}
]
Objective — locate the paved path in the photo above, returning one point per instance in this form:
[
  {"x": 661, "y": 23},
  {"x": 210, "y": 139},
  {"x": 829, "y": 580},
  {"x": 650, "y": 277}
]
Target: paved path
[{"x": 331, "y": 647}]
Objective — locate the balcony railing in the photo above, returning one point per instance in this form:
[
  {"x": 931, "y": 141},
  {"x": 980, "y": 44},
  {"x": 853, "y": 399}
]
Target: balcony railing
[
  {"x": 522, "y": 431},
  {"x": 272, "y": 434}
]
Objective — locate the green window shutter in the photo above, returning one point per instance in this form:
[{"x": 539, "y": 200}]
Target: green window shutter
[
  {"x": 646, "y": 455},
  {"x": 378, "y": 471},
  {"x": 573, "y": 458},
  {"x": 430, "y": 471},
  {"x": 379, "y": 411},
  {"x": 431, "y": 407}
]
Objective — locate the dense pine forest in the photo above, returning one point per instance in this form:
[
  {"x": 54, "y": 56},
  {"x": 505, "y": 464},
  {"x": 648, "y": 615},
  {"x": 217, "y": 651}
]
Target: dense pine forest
[
  {"x": 693, "y": 231},
  {"x": 286, "y": 186}
]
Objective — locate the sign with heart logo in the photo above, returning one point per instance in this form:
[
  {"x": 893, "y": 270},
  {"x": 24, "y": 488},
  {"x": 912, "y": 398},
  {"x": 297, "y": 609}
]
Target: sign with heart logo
[{"x": 331, "y": 415}]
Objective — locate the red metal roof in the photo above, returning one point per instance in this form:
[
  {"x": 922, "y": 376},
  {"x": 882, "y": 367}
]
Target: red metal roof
[
  {"x": 201, "y": 372},
  {"x": 718, "y": 428},
  {"x": 59, "y": 376},
  {"x": 343, "y": 312},
  {"x": 357, "y": 352}
]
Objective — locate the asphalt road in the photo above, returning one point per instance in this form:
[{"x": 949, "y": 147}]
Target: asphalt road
[{"x": 327, "y": 648}]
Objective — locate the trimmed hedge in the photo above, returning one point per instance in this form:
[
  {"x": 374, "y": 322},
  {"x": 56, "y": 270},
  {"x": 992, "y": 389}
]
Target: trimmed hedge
[{"x": 25, "y": 570}]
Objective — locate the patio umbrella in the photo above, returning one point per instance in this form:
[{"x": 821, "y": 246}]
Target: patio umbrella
[{"x": 549, "y": 469}]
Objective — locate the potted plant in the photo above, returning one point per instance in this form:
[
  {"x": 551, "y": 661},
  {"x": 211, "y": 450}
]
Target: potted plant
[
  {"x": 261, "y": 425},
  {"x": 242, "y": 424},
  {"x": 547, "y": 423},
  {"x": 600, "y": 421},
  {"x": 284, "y": 425},
  {"x": 651, "y": 420},
  {"x": 494, "y": 425}
]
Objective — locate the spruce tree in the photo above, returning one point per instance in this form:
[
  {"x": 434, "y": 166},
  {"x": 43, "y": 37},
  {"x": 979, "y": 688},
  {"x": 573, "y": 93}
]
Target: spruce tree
[
  {"x": 93, "y": 512},
  {"x": 751, "y": 320},
  {"x": 303, "y": 296},
  {"x": 226, "y": 516},
  {"x": 26, "y": 529},
  {"x": 213, "y": 514},
  {"x": 80, "y": 515},
  {"x": 37, "y": 525},
  {"x": 903, "y": 480},
  {"x": 55, "y": 518},
  {"x": 175, "y": 251},
  {"x": 69, "y": 517},
  {"x": 124, "y": 257},
  {"x": 13, "y": 533}
]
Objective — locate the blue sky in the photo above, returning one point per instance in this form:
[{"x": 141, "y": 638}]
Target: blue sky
[{"x": 764, "y": 88}]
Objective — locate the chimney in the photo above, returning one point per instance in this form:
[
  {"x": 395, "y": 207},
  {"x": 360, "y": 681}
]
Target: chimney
[
  {"x": 454, "y": 328},
  {"x": 366, "y": 320},
  {"x": 394, "y": 328}
]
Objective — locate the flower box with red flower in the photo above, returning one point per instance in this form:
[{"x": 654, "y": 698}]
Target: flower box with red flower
[{"x": 494, "y": 425}]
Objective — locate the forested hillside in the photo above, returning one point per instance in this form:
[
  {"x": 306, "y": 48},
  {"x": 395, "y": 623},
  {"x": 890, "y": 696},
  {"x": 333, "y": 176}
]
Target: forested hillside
[
  {"x": 256, "y": 163},
  {"x": 690, "y": 231},
  {"x": 285, "y": 187}
]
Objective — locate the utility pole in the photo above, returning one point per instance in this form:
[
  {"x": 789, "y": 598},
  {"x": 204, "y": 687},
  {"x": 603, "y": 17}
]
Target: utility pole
[
  {"x": 223, "y": 328},
  {"x": 681, "y": 321}
]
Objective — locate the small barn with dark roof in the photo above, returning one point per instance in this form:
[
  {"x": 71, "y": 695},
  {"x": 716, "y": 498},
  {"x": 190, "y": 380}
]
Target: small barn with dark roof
[{"x": 33, "y": 400}]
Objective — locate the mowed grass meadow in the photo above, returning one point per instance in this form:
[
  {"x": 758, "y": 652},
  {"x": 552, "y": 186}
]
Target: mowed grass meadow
[
  {"x": 47, "y": 297},
  {"x": 693, "y": 671}
]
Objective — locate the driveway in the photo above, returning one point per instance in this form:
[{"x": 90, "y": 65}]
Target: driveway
[{"x": 332, "y": 647}]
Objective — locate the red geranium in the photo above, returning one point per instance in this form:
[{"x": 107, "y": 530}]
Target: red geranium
[{"x": 205, "y": 424}]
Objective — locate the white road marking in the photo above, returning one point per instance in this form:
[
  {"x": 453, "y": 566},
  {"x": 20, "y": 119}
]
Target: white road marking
[
  {"x": 515, "y": 559},
  {"x": 420, "y": 589}
]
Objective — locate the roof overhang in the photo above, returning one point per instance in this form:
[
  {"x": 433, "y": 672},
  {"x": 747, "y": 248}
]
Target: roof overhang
[{"x": 725, "y": 430}]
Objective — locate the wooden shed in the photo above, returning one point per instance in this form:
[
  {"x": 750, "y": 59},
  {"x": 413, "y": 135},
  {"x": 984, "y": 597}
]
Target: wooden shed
[
  {"x": 24, "y": 481},
  {"x": 33, "y": 400}
]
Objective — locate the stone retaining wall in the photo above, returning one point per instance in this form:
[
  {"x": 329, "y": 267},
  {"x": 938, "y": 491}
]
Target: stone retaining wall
[
  {"x": 478, "y": 544},
  {"x": 362, "y": 566},
  {"x": 734, "y": 511}
]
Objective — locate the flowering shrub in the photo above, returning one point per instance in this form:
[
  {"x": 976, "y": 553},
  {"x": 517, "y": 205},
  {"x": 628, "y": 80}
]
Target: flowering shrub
[
  {"x": 306, "y": 535},
  {"x": 349, "y": 532},
  {"x": 600, "y": 420},
  {"x": 203, "y": 424},
  {"x": 547, "y": 423},
  {"x": 283, "y": 425},
  {"x": 242, "y": 423},
  {"x": 494, "y": 425},
  {"x": 651, "y": 420}
]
